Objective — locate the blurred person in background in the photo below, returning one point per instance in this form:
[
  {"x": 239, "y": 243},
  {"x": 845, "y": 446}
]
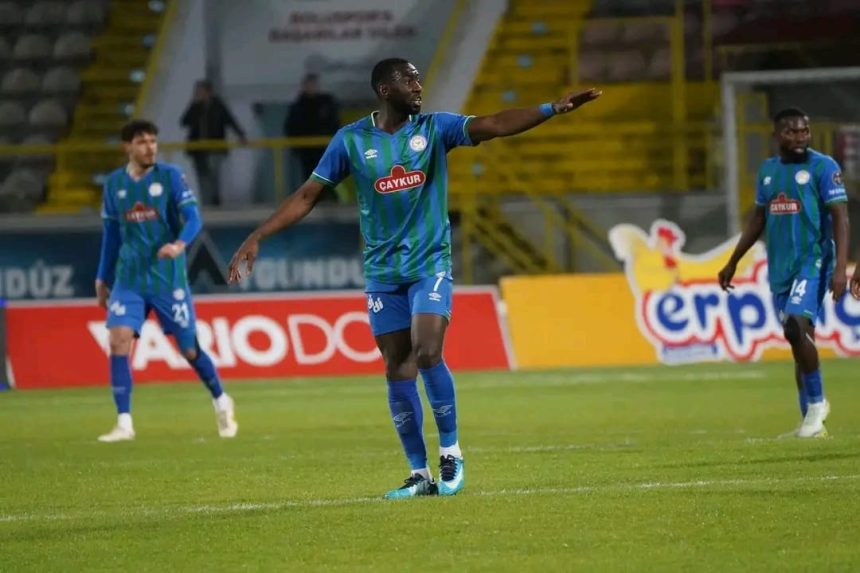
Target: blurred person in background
[
  {"x": 150, "y": 217},
  {"x": 801, "y": 208},
  {"x": 208, "y": 117},
  {"x": 313, "y": 113}
]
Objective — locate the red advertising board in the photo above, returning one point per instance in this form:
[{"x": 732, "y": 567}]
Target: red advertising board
[{"x": 258, "y": 336}]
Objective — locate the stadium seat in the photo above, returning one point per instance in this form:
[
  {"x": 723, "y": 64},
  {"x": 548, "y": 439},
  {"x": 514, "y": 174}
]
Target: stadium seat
[
  {"x": 12, "y": 116},
  {"x": 645, "y": 33},
  {"x": 22, "y": 190},
  {"x": 45, "y": 14},
  {"x": 5, "y": 50},
  {"x": 594, "y": 34},
  {"x": 61, "y": 80},
  {"x": 626, "y": 66},
  {"x": 85, "y": 13},
  {"x": 48, "y": 114},
  {"x": 723, "y": 22},
  {"x": 11, "y": 15},
  {"x": 42, "y": 164},
  {"x": 72, "y": 46},
  {"x": 592, "y": 66},
  {"x": 19, "y": 82},
  {"x": 32, "y": 47},
  {"x": 660, "y": 66}
]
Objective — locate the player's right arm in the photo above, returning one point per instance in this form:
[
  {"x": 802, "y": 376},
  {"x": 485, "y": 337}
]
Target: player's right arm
[
  {"x": 751, "y": 233},
  {"x": 111, "y": 241},
  {"x": 332, "y": 169}
]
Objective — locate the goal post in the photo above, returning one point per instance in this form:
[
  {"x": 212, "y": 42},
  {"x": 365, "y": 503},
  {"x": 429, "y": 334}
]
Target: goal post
[{"x": 732, "y": 84}]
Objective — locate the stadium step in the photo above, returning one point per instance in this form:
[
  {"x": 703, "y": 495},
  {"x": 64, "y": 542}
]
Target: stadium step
[
  {"x": 625, "y": 142},
  {"x": 110, "y": 85},
  {"x": 549, "y": 9}
]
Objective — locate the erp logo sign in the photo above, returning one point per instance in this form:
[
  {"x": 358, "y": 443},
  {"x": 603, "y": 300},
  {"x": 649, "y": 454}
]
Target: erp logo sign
[{"x": 683, "y": 313}]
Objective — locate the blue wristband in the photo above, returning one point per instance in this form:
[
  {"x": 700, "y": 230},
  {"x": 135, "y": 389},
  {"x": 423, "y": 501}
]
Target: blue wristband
[{"x": 547, "y": 109}]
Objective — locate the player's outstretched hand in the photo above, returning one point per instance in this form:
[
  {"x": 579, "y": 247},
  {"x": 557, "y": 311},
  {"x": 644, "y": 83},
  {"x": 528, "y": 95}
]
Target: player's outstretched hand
[
  {"x": 838, "y": 284},
  {"x": 855, "y": 283},
  {"x": 726, "y": 275},
  {"x": 171, "y": 250},
  {"x": 246, "y": 253},
  {"x": 574, "y": 100},
  {"x": 102, "y": 294}
]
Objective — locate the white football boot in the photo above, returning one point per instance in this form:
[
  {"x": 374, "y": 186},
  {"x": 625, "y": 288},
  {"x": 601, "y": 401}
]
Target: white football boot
[
  {"x": 813, "y": 422},
  {"x": 226, "y": 417}
]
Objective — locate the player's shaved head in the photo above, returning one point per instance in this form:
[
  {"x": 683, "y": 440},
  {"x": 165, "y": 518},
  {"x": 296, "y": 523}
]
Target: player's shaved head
[
  {"x": 384, "y": 70},
  {"x": 789, "y": 113},
  {"x": 792, "y": 134},
  {"x": 137, "y": 127}
]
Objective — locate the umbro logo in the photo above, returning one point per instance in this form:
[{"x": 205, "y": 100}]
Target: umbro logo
[
  {"x": 117, "y": 309},
  {"x": 402, "y": 418},
  {"x": 371, "y": 154},
  {"x": 443, "y": 410},
  {"x": 374, "y": 305}
]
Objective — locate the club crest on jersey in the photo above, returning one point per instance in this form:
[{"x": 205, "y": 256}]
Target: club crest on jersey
[
  {"x": 140, "y": 213},
  {"x": 399, "y": 180},
  {"x": 418, "y": 143},
  {"x": 156, "y": 189},
  {"x": 782, "y": 205},
  {"x": 802, "y": 177},
  {"x": 121, "y": 194}
]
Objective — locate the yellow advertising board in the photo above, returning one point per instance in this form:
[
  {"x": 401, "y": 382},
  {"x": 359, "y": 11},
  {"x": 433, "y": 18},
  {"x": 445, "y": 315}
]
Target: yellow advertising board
[{"x": 665, "y": 308}]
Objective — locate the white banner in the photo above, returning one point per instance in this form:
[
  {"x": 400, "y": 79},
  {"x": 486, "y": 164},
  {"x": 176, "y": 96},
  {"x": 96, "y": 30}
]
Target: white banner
[{"x": 267, "y": 43}]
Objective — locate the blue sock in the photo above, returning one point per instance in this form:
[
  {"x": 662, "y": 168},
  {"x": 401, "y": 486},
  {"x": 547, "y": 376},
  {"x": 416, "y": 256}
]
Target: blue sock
[
  {"x": 120, "y": 382},
  {"x": 207, "y": 373},
  {"x": 408, "y": 416},
  {"x": 813, "y": 386},
  {"x": 439, "y": 385},
  {"x": 802, "y": 399}
]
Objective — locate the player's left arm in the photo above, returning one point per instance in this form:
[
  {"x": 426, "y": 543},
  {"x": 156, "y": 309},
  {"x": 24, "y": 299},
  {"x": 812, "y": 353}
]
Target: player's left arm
[
  {"x": 518, "y": 120},
  {"x": 184, "y": 199},
  {"x": 832, "y": 191},
  {"x": 839, "y": 214}
]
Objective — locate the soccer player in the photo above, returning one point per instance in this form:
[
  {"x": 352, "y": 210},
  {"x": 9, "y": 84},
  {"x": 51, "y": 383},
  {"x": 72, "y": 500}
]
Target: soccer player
[
  {"x": 801, "y": 205},
  {"x": 398, "y": 158},
  {"x": 150, "y": 216}
]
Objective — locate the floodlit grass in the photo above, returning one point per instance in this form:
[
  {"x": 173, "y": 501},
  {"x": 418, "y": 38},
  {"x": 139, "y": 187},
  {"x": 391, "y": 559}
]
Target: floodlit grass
[{"x": 652, "y": 469}]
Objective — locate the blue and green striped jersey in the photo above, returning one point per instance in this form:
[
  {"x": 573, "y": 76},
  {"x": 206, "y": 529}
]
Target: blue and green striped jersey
[
  {"x": 799, "y": 228},
  {"x": 402, "y": 184},
  {"x": 148, "y": 213}
]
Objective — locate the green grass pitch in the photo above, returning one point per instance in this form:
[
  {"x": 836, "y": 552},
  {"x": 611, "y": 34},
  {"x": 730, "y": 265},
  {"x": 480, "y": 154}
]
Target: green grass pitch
[{"x": 649, "y": 469}]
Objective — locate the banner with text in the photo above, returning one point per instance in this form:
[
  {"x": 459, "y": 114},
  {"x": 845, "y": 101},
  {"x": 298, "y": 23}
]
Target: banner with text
[
  {"x": 53, "y": 264},
  {"x": 667, "y": 307},
  {"x": 263, "y": 336},
  {"x": 340, "y": 40}
]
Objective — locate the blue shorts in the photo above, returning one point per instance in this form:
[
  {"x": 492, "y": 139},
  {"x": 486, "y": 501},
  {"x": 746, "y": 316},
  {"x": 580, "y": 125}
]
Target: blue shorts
[
  {"x": 804, "y": 298},
  {"x": 393, "y": 310},
  {"x": 175, "y": 313}
]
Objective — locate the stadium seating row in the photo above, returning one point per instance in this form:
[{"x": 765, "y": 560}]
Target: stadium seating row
[
  {"x": 32, "y": 48},
  {"x": 51, "y": 13},
  {"x": 44, "y": 45},
  {"x": 25, "y": 82}
]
